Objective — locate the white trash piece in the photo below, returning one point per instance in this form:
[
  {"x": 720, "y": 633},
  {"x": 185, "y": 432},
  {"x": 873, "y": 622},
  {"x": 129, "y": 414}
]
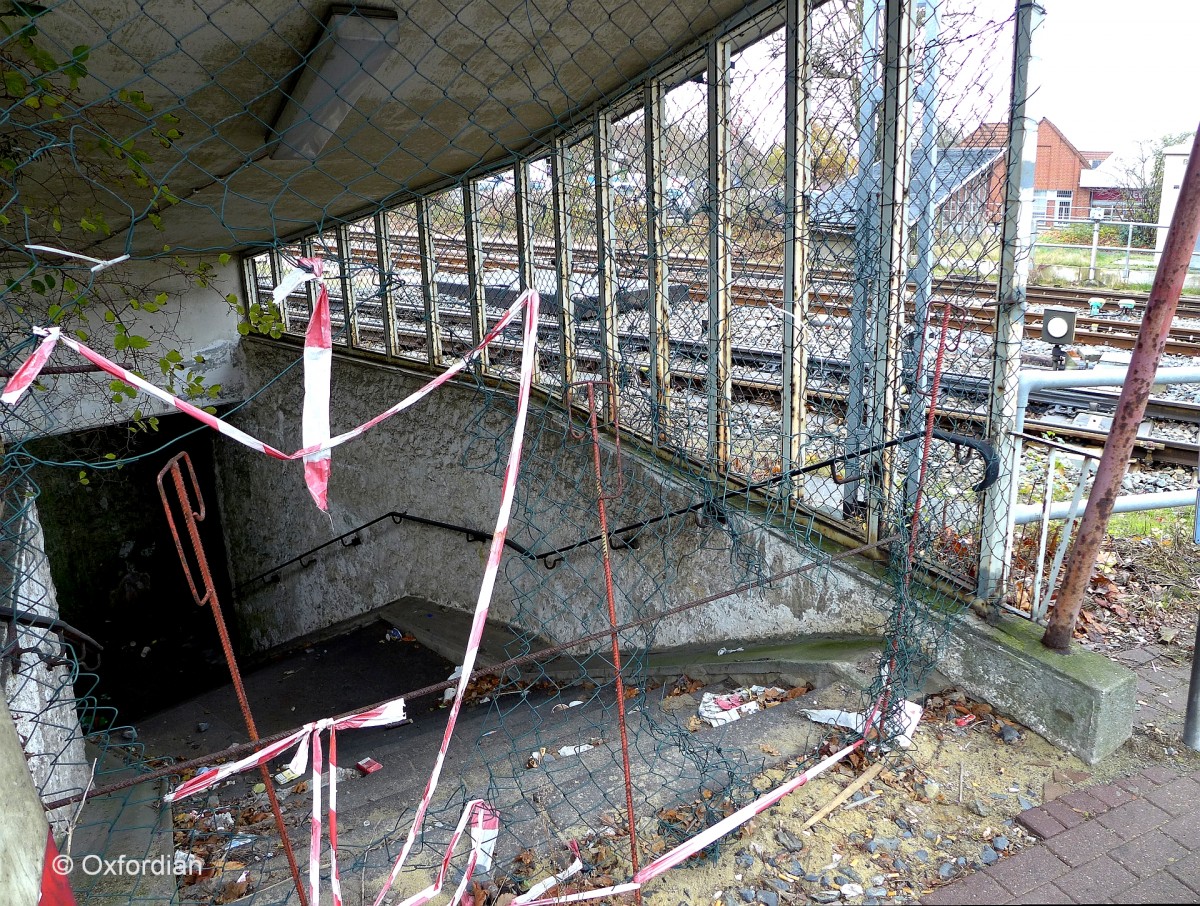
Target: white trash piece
[{"x": 901, "y": 727}]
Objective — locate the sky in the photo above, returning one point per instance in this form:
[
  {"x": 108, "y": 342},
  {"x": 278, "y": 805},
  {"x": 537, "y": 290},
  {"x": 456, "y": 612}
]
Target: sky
[{"x": 1116, "y": 72}]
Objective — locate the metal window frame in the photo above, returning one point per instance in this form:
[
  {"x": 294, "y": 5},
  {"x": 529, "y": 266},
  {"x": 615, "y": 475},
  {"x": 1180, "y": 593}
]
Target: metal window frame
[
  {"x": 434, "y": 344},
  {"x": 564, "y": 261},
  {"x": 525, "y": 258},
  {"x": 720, "y": 352},
  {"x": 795, "y": 241},
  {"x": 658, "y": 268},
  {"x": 610, "y": 354},
  {"x": 476, "y": 298}
]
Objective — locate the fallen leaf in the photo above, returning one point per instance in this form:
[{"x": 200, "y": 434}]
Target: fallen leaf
[{"x": 769, "y": 750}]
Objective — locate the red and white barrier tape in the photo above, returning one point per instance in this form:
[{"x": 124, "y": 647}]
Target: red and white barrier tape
[
  {"x": 705, "y": 838},
  {"x": 308, "y": 736},
  {"x": 316, "y": 469},
  {"x": 318, "y": 369},
  {"x": 511, "y": 470},
  {"x": 486, "y": 821}
]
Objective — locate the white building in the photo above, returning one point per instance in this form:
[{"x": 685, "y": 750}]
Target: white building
[{"x": 1175, "y": 160}]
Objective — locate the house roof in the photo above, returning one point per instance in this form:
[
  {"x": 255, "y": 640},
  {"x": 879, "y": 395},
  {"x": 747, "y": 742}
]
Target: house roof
[
  {"x": 955, "y": 168},
  {"x": 986, "y": 135},
  {"x": 1106, "y": 176}
]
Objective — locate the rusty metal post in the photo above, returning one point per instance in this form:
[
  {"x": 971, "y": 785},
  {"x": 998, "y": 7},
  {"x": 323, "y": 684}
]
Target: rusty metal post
[
  {"x": 191, "y": 517},
  {"x": 606, "y": 555},
  {"x": 1131, "y": 407}
]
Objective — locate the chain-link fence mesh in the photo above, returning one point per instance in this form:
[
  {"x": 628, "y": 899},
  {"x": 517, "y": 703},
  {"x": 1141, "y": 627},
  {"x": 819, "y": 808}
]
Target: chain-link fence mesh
[{"x": 765, "y": 230}]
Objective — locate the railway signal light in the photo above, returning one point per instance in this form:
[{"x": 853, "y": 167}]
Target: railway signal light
[{"x": 1058, "y": 326}]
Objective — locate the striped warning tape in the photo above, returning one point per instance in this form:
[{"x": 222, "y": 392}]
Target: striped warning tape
[{"x": 318, "y": 355}]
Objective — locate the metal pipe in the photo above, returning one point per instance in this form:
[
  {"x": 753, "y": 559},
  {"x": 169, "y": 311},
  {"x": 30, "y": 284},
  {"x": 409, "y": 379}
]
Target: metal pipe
[
  {"x": 866, "y": 236},
  {"x": 1131, "y": 406},
  {"x": 1026, "y": 513},
  {"x": 1031, "y": 381},
  {"x": 1191, "y": 724},
  {"x": 1016, "y": 252},
  {"x": 794, "y": 357}
]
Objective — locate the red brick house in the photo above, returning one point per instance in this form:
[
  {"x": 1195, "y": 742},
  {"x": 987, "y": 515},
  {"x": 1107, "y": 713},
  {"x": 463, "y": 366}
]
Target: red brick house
[{"x": 1058, "y": 192}]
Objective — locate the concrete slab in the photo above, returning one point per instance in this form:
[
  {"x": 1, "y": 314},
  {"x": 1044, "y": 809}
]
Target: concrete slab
[
  {"x": 1081, "y": 701},
  {"x": 130, "y": 825},
  {"x": 445, "y": 630}
]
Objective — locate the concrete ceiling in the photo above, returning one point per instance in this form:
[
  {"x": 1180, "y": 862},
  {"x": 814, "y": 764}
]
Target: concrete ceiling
[{"x": 468, "y": 82}]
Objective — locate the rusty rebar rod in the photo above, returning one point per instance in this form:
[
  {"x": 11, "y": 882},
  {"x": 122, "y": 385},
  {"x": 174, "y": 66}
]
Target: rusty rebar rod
[
  {"x": 191, "y": 517},
  {"x": 606, "y": 557},
  {"x": 1131, "y": 405}
]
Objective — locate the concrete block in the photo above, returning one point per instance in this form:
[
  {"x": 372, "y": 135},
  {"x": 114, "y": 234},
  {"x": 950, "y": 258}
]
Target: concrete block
[{"x": 1081, "y": 700}]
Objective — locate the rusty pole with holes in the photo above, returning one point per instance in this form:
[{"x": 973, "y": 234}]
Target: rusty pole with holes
[
  {"x": 1131, "y": 407},
  {"x": 174, "y": 469}
]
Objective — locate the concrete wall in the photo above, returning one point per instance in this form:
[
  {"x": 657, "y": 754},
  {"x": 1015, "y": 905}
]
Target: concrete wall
[
  {"x": 415, "y": 463},
  {"x": 197, "y": 320},
  {"x": 23, "y": 830},
  {"x": 40, "y": 697}
]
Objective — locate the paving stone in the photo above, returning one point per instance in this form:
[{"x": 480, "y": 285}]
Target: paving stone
[
  {"x": 1083, "y": 801},
  {"x": 1084, "y": 843},
  {"x": 1135, "y": 656},
  {"x": 1147, "y": 855},
  {"x": 1063, "y": 814},
  {"x": 1038, "y": 821},
  {"x": 1177, "y": 796},
  {"x": 1047, "y": 893},
  {"x": 1159, "y": 888},
  {"x": 1160, "y": 775},
  {"x": 1133, "y": 819},
  {"x": 1021, "y": 873},
  {"x": 1135, "y": 785},
  {"x": 1187, "y": 869},
  {"x": 1182, "y": 829},
  {"x": 974, "y": 888},
  {"x": 1110, "y": 794},
  {"x": 1098, "y": 880}
]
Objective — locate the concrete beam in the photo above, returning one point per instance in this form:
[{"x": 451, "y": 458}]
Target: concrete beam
[
  {"x": 23, "y": 832},
  {"x": 1081, "y": 701}
]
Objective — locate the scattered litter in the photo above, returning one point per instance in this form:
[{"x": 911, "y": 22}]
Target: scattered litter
[
  {"x": 202, "y": 727},
  {"x": 852, "y": 890},
  {"x": 259, "y": 788},
  {"x": 721, "y": 652},
  {"x": 223, "y": 821},
  {"x": 242, "y": 840},
  {"x": 563, "y": 706},
  {"x": 573, "y": 750},
  {"x": 448, "y": 695},
  {"x": 717, "y": 710},
  {"x": 393, "y": 635},
  {"x": 368, "y": 766},
  {"x": 901, "y": 728},
  {"x": 553, "y": 881},
  {"x": 287, "y": 775},
  {"x": 863, "y": 801},
  {"x": 145, "y": 651},
  {"x": 965, "y": 720}
]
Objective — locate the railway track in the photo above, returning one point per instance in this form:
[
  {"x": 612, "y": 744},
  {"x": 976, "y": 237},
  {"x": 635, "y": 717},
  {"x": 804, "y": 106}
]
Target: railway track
[
  {"x": 759, "y": 284},
  {"x": 759, "y": 379}
]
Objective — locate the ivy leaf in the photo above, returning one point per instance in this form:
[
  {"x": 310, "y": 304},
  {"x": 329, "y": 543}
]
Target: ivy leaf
[
  {"x": 14, "y": 83},
  {"x": 224, "y": 258}
]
